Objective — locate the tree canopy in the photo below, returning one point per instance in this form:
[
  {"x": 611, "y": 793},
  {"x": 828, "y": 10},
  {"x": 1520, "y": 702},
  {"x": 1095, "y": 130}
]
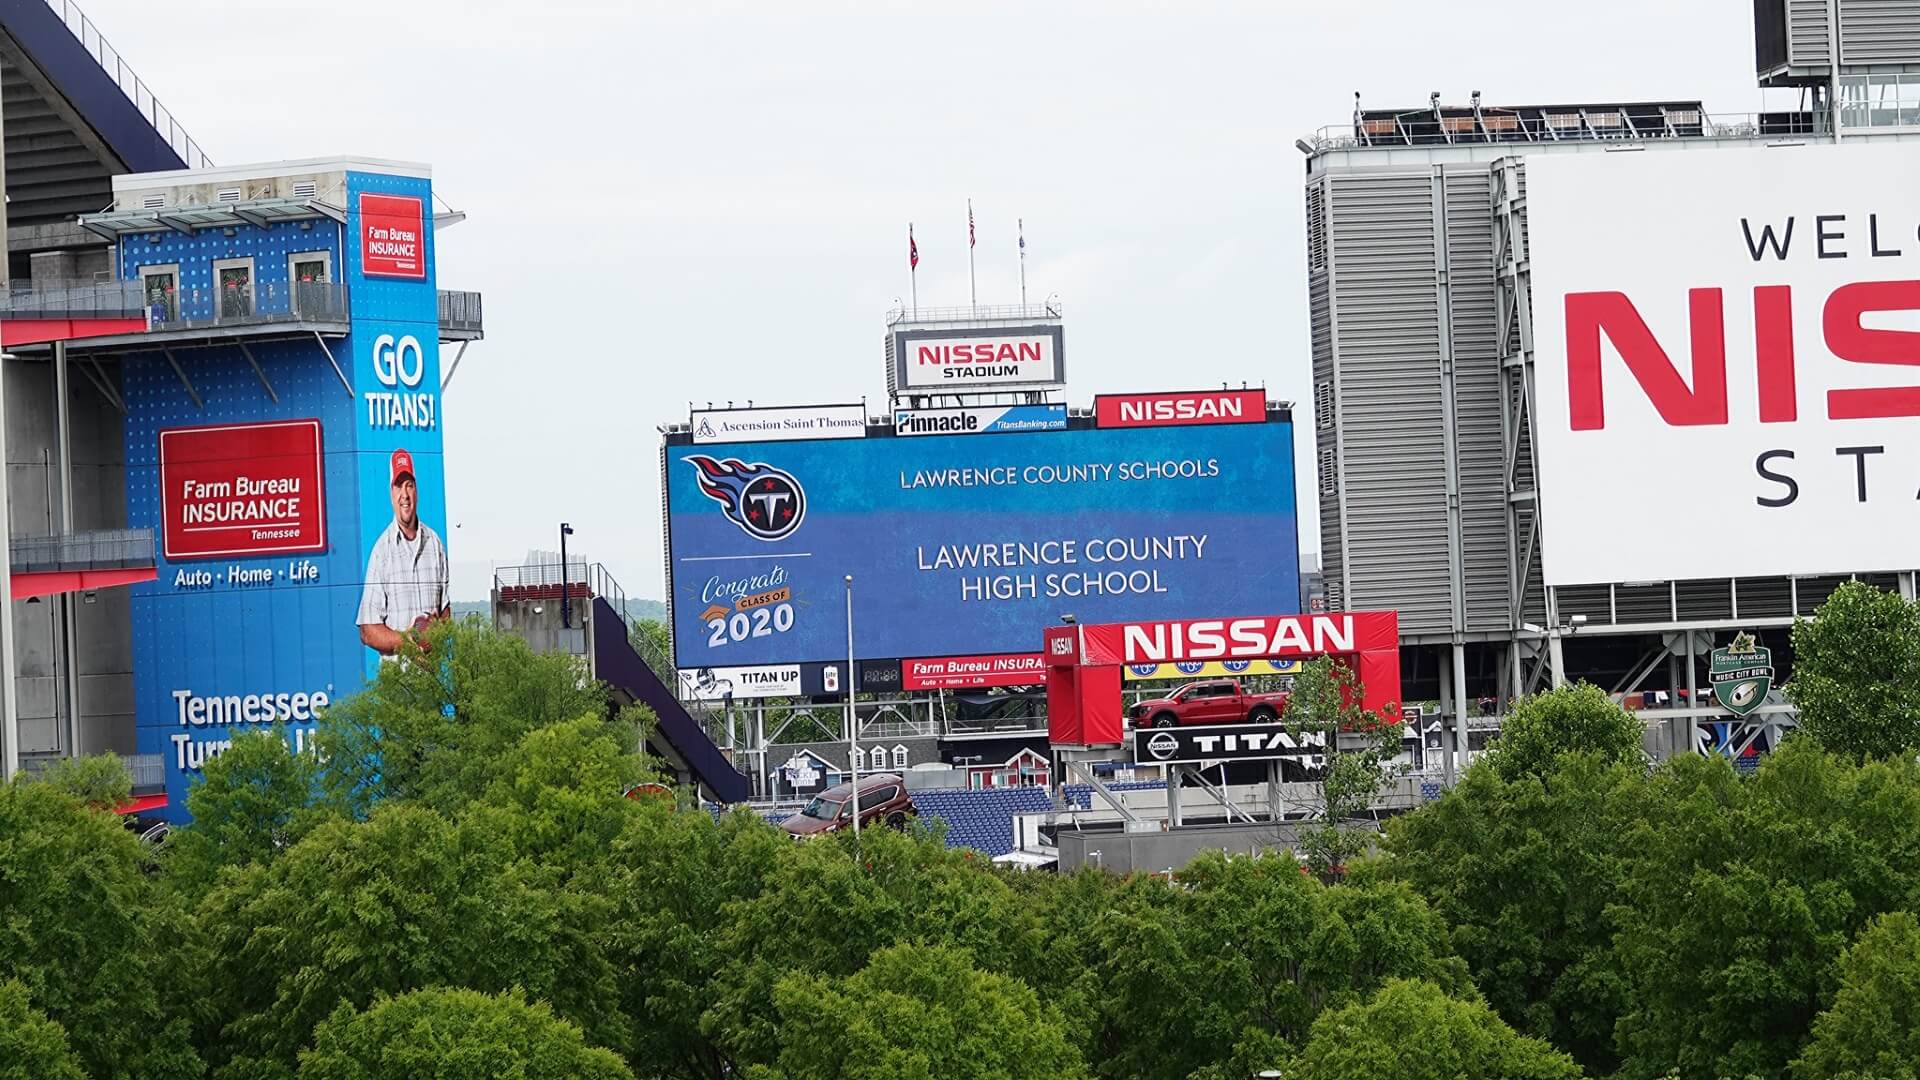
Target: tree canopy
[
  {"x": 1569, "y": 719},
  {"x": 492, "y": 902},
  {"x": 453, "y": 1034},
  {"x": 1413, "y": 1031},
  {"x": 1856, "y": 673}
]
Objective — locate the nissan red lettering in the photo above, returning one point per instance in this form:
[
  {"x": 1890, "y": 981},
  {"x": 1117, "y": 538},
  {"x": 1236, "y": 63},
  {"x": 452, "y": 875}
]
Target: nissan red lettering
[
  {"x": 242, "y": 490},
  {"x": 1715, "y": 350},
  {"x": 1168, "y": 410}
]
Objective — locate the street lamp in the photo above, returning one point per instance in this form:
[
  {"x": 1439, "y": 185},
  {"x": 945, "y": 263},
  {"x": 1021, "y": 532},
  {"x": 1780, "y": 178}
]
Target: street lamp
[
  {"x": 853, "y": 727},
  {"x": 566, "y": 594}
]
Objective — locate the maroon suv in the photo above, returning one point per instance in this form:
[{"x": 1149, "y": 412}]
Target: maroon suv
[{"x": 883, "y": 801}]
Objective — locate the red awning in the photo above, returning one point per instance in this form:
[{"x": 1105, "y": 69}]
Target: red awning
[
  {"x": 55, "y": 582},
  {"x": 141, "y": 804},
  {"x": 25, "y": 331}
]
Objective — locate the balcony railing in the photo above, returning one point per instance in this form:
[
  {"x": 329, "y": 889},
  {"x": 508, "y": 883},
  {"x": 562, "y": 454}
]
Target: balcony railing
[
  {"x": 101, "y": 549},
  {"x": 263, "y": 304},
  {"x": 1420, "y": 127},
  {"x": 136, "y": 91}
]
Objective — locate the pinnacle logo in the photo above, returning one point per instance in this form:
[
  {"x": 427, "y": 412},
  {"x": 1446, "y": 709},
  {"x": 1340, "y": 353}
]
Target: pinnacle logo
[
  {"x": 1741, "y": 675},
  {"x": 767, "y": 504}
]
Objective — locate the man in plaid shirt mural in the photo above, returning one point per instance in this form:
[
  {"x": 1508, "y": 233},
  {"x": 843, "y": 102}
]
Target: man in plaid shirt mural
[{"x": 406, "y": 571}]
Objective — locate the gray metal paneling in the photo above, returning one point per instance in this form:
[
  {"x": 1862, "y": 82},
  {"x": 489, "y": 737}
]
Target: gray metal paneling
[
  {"x": 1325, "y": 402},
  {"x": 1808, "y": 40},
  {"x": 1879, "y": 32},
  {"x": 1476, "y": 379},
  {"x": 1381, "y": 254}
]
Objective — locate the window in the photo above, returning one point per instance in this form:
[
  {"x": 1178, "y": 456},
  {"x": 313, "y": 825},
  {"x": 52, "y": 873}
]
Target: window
[
  {"x": 161, "y": 287},
  {"x": 233, "y": 279},
  {"x": 859, "y": 758},
  {"x": 899, "y": 757},
  {"x": 307, "y": 274}
]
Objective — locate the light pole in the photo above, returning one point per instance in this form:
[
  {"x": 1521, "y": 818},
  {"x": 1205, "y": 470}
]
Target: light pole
[
  {"x": 853, "y": 726},
  {"x": 566, "y": 594}
]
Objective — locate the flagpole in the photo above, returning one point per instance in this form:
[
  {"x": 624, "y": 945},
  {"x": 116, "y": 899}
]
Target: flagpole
[
  {"x": 973, "y": 294},
  {"x": 1022, "y": 224}
]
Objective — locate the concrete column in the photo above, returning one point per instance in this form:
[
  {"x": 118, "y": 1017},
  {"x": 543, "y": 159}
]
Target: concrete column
[
  {"x": 9, "y": 686},
  {"x": 1460, "y": 697},
  {"x": 1274, "y": 810},
  {"x": 69, "y": 644},
  {"x": 1175, "y": 775},
  {"x": 1446, "y": 710}
]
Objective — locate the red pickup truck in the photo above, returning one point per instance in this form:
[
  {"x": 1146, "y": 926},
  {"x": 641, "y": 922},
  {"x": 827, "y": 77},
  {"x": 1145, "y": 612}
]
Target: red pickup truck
[{"x": 1216, "y": 701}]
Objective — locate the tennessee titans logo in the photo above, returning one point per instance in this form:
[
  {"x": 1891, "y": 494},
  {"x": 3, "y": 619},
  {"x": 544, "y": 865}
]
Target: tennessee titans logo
[{"x": 767, "y": 503}]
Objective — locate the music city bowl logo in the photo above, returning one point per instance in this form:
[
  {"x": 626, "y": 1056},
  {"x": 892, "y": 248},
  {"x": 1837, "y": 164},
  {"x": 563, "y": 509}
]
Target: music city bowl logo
[{"x": 767, "y": 503}]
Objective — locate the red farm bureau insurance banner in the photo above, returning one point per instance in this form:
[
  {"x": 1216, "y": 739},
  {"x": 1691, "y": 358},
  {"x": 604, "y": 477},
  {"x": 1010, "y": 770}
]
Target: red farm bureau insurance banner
[
  {"x": 242, "y": 489},
  {"x": 1168, "y": 410},
  {"x": 958, "y": 672},
  {"x": 392, "y": 236}
]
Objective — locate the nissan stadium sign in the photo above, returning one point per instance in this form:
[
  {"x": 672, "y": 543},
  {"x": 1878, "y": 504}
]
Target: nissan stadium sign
[
  {"x": 1727, "y": 360},
  {"x": 942, "y": 361}
]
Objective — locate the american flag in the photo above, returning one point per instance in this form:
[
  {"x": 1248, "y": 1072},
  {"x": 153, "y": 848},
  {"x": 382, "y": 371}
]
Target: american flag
[
  {"x": 913, "y": 251},
  {"x": 969, "y": 222}
]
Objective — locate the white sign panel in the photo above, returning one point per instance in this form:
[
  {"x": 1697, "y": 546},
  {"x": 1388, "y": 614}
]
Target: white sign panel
[
  {"x": 1727, "y": 361},
  {"x": 715, "y": 684},
  {"x": 980, "y": 420},
  {"x": 774, "y": 425},
  {"x": 933, "y": 361}
]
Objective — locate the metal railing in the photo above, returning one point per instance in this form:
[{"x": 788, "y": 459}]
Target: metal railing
[
  {"x": 542, "y": 580},
  {"x": 232, "y": 305},
  {"x": 460, "y": 311},
  {"x": 71, "y": 300},
  {"x": 1424, "y": 128},
  {"x": 115, "y": 66},
  {"x": 103, "y": 549},
  {"x": 1002, "y": 312}
]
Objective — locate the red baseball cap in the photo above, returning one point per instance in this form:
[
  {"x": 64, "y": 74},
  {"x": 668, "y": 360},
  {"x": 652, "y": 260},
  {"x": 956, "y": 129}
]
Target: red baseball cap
[{"x": 401, "y": 465}]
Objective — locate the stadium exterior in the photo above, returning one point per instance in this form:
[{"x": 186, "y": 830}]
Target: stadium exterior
[{"x": 1420, "y": 290}]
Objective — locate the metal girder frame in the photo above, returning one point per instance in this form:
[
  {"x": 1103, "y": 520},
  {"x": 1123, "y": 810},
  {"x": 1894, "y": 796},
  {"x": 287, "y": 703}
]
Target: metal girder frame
[
  {"x": 1514, "y": 301},
  {"x": 262, "y": 375},
  {"x": 454, "y": 369},
  {"x": 184, "y": 381},
  {"x": 1085, "y": 775},
  {"x": 91, "y": 369},
  {"x": 1220, "y": 795},
  {"x": 344, "y": 381}
]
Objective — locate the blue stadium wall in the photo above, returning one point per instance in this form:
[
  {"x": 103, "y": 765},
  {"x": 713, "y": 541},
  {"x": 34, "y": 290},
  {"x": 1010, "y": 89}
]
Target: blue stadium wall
[{"x": 228, "y": 643}]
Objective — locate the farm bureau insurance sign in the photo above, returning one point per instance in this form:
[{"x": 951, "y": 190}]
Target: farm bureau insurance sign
[
  {"x": 1732, "y": 336},
  {"x": 241, "y": 489}
]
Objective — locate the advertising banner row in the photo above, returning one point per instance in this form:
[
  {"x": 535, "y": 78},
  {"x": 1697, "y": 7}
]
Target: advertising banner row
[
  {"x": 1727, "y": 341},
  {"x": 966, "y": 547},
  {"x": 821, "y": 679},
  {"x": 788, "y": 423}
]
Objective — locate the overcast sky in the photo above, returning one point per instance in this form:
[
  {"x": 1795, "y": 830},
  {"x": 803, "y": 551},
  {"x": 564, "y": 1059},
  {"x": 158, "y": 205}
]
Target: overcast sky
[{"x": 668, "y": 207}]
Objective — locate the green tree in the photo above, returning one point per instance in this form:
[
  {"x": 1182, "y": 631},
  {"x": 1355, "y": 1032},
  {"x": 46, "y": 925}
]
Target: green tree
[
  {"x": 1360, "y": 747},
  {"x": 1872, "y": 1029},
  {"x": 1523, "y": 870},
  {"x": 1569, "y": 719},
  {"x": 1856, "y": 673},
  {"x": 253, "y": 801},
  {"x": 822, "y": 910},
  {"x": 1741, "y": 895},
  {"x": 680, "y": 879},
  {"x": 1413, "y": 1031},
  {"x": 653, "y": 640},
  {"x": 451, "y": 1034},
  {"x": 32, "y": 1047},
  {"x": 99, "y": 780},
  {"x": 407, "y": 900},
  {"x": 918, "y": 1013},
  {"x": 434, "y": 726},
  {"x": 74, "y": 931}
]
